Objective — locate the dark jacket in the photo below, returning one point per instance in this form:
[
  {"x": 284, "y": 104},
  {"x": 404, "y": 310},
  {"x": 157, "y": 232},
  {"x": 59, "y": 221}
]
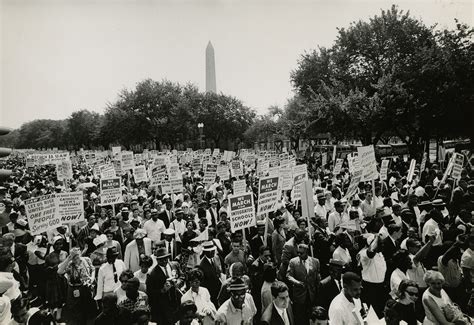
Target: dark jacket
[{"x": 271, "y": 317}]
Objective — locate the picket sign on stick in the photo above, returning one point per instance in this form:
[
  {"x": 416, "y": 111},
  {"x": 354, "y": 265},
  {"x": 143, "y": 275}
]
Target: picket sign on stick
[{"x": 307, "y": 205}]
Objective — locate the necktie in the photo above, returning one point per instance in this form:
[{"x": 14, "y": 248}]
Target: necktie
[
  {"x": 169, "y": 250},
  {"x": 338, "y": 283},
  {"x": 285, "y": 318}
]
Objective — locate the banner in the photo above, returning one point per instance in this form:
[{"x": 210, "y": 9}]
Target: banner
[
  {"x": 267, "y": 194},
  {"x": 242, "y": 212},
  {"x": 41, "y": 214},
  {"x": 70, "y": 207},
  {"x": 49, "y": 158},
  {"x": 367, "y": 162},
  {"x": 210, "y": 174},
  {"x": 384, "y": 169},
  {"x": 64, "y": 170},
  {"x": 139, "y": 174},
  {"x": 111, "y": 191}
]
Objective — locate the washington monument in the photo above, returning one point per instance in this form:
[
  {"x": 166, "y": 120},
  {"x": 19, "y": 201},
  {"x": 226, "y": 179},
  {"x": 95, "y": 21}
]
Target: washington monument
[{"x": 210, "y": 69}]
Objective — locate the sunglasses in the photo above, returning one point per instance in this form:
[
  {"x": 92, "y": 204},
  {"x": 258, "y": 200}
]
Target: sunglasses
[{"x": 412, "y": 293}]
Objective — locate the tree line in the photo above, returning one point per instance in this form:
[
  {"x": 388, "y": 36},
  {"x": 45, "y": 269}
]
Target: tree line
[{"x": 162, "y": 113}]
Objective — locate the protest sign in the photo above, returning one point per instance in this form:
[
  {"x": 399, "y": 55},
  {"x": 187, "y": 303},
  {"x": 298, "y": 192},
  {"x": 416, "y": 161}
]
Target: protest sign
[
  {"x": 196, "y": 164},
  {"x": 117, "y": 167},
  {"x": 458, "y": 161},
  {"x": 324, "y": 158},
  {"x": 30, "y": 162},
  {"x": 107, "y": 171},
  {"x": 384, "y": 169},
  {"x": 423, "y": 162},
  {"x": 49, "y": 158},
  {"x": 240, "y": 187},
  {"x": 223, "y": 172},
  {"x": 166, "y": 187},
  {"x": 367, "y": 162},
  {"x": 210, "y": 173},
  {"x": 64, "y": 170},
  {"x": 236, "y": 169},
  {"x": 139, "y": 174},
  {"x": 127, "y": 160},
  {"x": 286, "y": 178},
  {"x": 177, "y": 184},
  {"x": 300, "y": 174},
  {"x": 158, "y": 173},
  {"x": 41, "y": 214},
  {"x": 355, "y": 180},
  {"x": 116, "y": 151},
  {"x": 337, "y": 166},
  {"x": 70, "y": 207},
  {"x": 111, "y": 191},
  {"x": 242, "y": 212},
  {"x": 267, "y": 194},
  {"x": 411, "y": 170},
  {"x": 334, "y": 154},
  {"x": 263, "y": 168}
]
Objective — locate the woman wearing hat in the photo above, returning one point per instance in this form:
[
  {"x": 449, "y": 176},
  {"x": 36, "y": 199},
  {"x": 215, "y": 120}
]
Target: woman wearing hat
[
  {"x": 98, "y": 255},
  {"x": 79, "y": 274},
  {"x": 111, "y": 242},
  {"x": 200, "y": 296}
]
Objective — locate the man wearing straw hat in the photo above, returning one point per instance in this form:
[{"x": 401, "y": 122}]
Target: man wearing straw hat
[
  {"x": 240, "y": 308},
  {"x": 212, "y": 269}
]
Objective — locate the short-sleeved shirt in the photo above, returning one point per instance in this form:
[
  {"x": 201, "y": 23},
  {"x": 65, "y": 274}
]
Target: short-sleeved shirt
[
  {"x": 373, "y": 269},
  {"x": 230, "y": 315},
  {"x": 231, "y": 258}
]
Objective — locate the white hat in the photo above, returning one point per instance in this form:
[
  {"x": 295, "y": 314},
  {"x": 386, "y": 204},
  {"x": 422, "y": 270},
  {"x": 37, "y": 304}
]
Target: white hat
[
  {"x": 55, "y": 239},
  {"x": 168, "y": 231},
  {"x": 95, "y": 227},
  {"x": 99, "y": 240},
  {"x": 208, "y": 246}
]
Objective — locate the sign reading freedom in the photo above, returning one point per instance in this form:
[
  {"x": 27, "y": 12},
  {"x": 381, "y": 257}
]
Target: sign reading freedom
[
  {"x": 267, "y": 194},
  {"x": 242, "y": 213}
]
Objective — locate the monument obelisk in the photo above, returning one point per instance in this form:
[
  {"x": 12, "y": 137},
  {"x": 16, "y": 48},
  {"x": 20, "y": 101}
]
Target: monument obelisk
[{"x": 210, "y": 69}]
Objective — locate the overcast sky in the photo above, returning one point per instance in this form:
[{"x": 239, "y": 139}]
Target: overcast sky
[{"x": 58, "y": 56}]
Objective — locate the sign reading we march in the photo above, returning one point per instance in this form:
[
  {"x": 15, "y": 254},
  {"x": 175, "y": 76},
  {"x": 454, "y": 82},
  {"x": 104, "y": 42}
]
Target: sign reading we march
[
  {"x": 267, "y": 194},
  {"x": 242, "y": 213},
  {"x": 41, "y": 214},
  {"x": 110, "y": 191}
]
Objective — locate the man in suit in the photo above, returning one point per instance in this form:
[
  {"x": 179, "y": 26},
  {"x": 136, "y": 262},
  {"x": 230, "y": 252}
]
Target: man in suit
[
  {"x": 212, "y": 270},
  {"x": 166, "y": 215},
  {"x": 390, "y": 246},
  {"x": 136, "y": 249},
  {"x": 279, "y": 312},
  {"x": 169, "y": 242},
  {"x": 303, "y": 273},
  {"x": 212, "y": 213},
  {"x": 163, "y": 296},
  {"x": 259, "y": 240},
  {"x": 290, "y": 251},
  {"x": 256, "y": 276},
  {"x": 330, "y": 286}
]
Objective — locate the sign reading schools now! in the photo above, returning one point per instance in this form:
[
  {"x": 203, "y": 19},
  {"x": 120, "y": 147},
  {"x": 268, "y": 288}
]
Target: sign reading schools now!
[
  {"x": 41, "y": 214},
  {"x": 110, "y": 191},
  {"x": 267, "y": 194},
  {"x": 242, "y": 212}
]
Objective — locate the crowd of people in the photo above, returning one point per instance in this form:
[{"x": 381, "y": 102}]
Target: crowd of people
[{"x": 395, "y": 251}]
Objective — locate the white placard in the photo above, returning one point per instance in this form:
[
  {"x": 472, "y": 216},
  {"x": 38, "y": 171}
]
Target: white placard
[
  {"x": 242, "y": 212},
  {"x": 111, "y": 191},
  {"x": 268, "y": 190},
  {"x": 367, "y": 162},
  {"x": 41, "y": 214},
  {"x": 70, "y": 207}
]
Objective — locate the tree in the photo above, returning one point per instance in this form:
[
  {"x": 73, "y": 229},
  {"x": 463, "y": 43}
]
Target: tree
[
  {"x": 389, "y": 76},
  {"x": 84, "y": 128}
]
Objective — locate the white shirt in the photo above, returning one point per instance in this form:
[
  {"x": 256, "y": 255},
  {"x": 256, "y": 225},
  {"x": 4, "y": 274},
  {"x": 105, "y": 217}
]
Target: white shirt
[
  {"x": 321, "y": 211},
  {"x": 154, "y": 229},
  {"x": 373, "y": 269},
  {"x": 341, "y": 310},
  {"x": 335, "y": 219},
  {"x": 417, "y": 272},
  {"x": 179, "y": 228},
  {"x": 106, "y": 280},
  {"x": 14, "y": 291},
  {"x": 395, "y": 279}
]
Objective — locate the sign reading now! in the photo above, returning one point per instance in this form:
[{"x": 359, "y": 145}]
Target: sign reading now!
[{"x": 242, "y": 212}]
